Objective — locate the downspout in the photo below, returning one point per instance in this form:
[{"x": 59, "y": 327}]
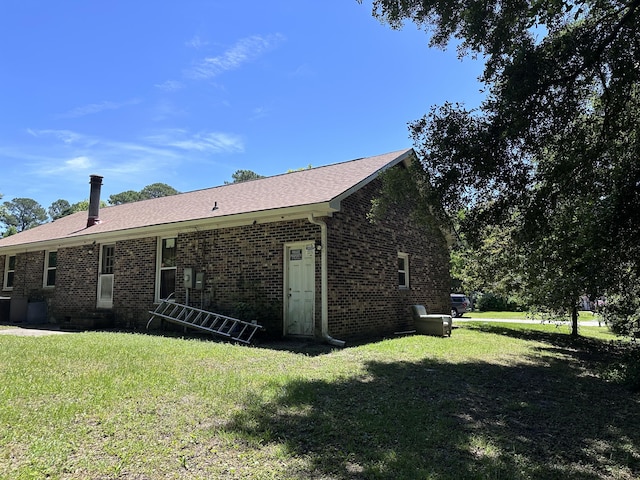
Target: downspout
[{"x": 324, "y": 283}]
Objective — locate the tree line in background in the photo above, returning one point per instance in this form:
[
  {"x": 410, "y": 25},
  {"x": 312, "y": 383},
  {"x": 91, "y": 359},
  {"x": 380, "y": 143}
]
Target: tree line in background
[{"x": 24, "y": 213}]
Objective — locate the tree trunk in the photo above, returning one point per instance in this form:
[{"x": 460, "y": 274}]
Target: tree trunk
[{"x": 574, "y": 321}]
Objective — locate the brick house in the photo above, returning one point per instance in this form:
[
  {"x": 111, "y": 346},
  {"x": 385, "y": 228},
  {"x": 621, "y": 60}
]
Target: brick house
[{"x": 296, "y": 252}]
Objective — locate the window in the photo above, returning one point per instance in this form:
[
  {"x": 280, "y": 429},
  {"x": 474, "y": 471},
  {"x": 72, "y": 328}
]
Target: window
[
  {"x": 9, "y": 272},
  {"x": 106, "y": 277},
  {"x": 108, "y": 257},
  {"x": 50, "y": 267},
  {"x": 167, "y": 270},
  {"x": 403, "y": 270}
]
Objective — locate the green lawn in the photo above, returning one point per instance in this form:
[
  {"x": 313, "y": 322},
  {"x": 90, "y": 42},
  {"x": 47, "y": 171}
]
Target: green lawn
[
  {"x": 582, "y": 316},
  {"x": 494, "y": 401}
]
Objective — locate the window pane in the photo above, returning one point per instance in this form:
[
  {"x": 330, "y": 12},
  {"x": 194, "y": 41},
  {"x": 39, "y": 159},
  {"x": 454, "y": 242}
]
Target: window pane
[
  {"x": 9, "y": 279},
  {"x": 51, "y": 278},
  {"x": 403, "y": 270},
  {"x": 107, "y": 259},
  {"x": 12, "y": 262},
  {"x": 167, "y": 282},
  {"x": 106, "y": 288},
  {"x": 169, "y": 252},
  {"x": 53, "y": 259}
]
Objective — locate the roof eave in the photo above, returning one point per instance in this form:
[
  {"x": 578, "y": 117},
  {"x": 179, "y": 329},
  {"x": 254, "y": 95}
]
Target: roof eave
[{"x": 237, "y": 220}]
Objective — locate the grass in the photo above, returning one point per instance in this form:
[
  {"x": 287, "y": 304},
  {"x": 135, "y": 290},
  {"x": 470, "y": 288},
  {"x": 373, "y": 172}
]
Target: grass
[
  {"x": 583, "y": 316},
  {"x": 494, "y": 401}
]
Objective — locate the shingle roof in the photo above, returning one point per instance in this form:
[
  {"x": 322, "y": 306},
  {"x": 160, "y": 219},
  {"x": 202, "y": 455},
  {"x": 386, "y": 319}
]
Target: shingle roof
[{"x": 316, "y": 186}]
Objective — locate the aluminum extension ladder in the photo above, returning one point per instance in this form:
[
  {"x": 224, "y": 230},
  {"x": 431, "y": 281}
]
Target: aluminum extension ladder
[{"x": 203, "y": 320}]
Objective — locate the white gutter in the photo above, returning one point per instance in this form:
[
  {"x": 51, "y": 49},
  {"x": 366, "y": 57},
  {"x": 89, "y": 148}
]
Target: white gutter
[{"x": 324, "y": 282}]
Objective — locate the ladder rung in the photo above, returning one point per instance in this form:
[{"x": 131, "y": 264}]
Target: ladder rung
[{"x": 218, "y": 324}]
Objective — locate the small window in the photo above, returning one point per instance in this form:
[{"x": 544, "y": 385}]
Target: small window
[
  {"x": 50, "y": 267},
  {"x": 9, "y": 272},
  {"x": 403, "y": 270}
]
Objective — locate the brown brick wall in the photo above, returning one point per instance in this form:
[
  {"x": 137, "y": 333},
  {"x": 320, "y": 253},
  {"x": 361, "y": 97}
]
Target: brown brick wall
[
  {"x": 134, "y": 281},
  {"x": 364, "y": 296},
  {"x": 243, "y": 269},
  {"x": 28, "y": 274},
  {"x": 76, "y": 282}
]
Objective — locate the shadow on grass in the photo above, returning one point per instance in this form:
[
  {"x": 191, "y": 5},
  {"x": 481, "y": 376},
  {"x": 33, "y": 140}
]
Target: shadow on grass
[
  {"x": 584, "y": 348},
  {"x": 543, "y": 419}
]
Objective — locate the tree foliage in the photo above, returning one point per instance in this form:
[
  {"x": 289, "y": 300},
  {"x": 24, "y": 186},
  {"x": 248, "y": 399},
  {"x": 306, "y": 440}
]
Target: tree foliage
[
  {"x": 58, "y": 209},
  {"x": 552, "y": 154},
  {"x": 22, "y": 213},
  {"x": 243, "y": 176},
  {"x": 155, "y": 190},
  {"x": 127, "y": 196}
]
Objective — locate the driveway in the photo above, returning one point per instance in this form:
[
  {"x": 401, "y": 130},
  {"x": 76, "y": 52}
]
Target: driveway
[{"x": 35, "y": 331}]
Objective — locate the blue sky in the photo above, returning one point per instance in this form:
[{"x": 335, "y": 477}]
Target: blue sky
[{"x": 186, "y": 93}]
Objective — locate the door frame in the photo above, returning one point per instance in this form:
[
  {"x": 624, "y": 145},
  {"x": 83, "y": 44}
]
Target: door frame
[{"x": 305, "y": 246}]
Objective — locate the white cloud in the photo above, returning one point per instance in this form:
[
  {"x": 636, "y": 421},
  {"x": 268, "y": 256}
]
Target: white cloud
[
  {"x": 210, "y": 142},
  {"x": 79, "y": 163},
  {"x": 169, "y": 86},
  {"x": 61, "y": 161},
  {"x": 97, "y": 108},
  {"x": 244, "y": 51},
  {"x": 66, "y": 136},
  {"x": 213, "y": 142},
  {"x": 74, "y": 165}
]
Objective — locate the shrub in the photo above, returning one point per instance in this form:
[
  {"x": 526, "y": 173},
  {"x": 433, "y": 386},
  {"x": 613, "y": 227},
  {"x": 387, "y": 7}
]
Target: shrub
[
  {"x": 622, "y": 314},
  {"x": 490, "y": 302},
  {"x": 626, "y": 369}
]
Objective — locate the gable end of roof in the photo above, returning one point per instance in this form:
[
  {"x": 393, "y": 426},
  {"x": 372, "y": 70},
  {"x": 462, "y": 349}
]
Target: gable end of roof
[{"x": 405, "y": 157}]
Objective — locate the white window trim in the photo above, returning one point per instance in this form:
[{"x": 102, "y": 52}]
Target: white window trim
[
  {"x": 6, "y": 273},
  {"x": 105, "y": 279},
  {"x": 405, "y": 257},
  {"x": 47, "y": 267},
  {"x": 160, "y": 268}
]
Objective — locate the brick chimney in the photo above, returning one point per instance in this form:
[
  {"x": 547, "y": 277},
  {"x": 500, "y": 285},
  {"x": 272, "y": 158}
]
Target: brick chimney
[{"x": 94, "y": 200}]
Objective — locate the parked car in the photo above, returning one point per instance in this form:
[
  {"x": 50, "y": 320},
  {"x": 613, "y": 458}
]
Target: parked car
[{"x": 460, "y": 304}]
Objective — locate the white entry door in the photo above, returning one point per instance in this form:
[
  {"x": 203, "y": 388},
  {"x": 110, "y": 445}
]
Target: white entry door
[
  {"x": 300, "y": 288},
  {"x": 105, "y": 277}
]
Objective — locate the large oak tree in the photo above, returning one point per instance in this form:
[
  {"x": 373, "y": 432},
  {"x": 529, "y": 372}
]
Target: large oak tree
[{"x": 552, "y": 154}]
